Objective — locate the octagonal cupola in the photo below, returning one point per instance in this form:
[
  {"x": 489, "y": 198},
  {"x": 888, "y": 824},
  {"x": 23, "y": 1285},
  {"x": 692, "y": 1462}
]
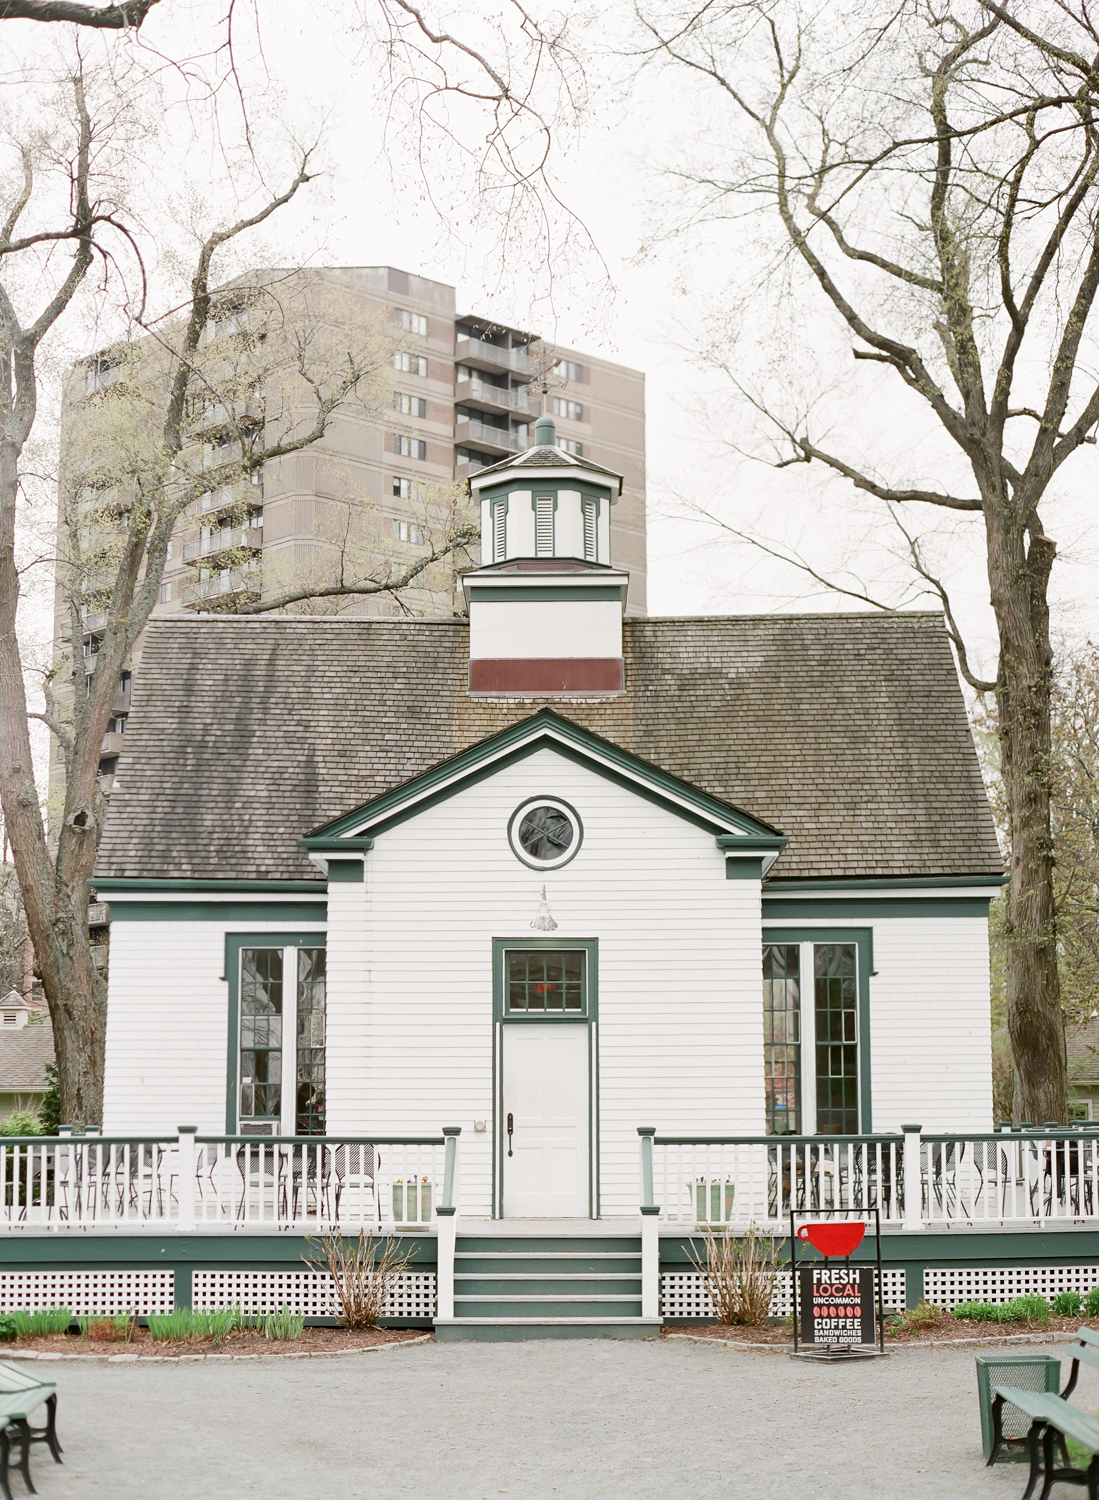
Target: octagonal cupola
[{"x": 546, "y": 604}]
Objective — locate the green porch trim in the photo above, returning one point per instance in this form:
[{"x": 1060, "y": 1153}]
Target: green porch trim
[
  {"x": 744, "y": 869},
  {"x": 505, "y": 489},
  {"x": 481, "y": 593},
  {"x": 525, "y": 738},
  {"x": 234, "y": 942},
  {"x": 319, "y": 844},
  {"x": 863, "y": 937},
  {"x": 790, "y": 909},
  {"x": 345, "y": 871},
  {"x": 273, "y": 887},
  {"x": 219, "y": 911},
  {"x": 588, "y": 1016},
  {"x": 893, "y": 882}
]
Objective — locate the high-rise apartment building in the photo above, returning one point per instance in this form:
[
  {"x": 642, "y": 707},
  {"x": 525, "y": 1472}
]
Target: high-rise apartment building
[{"x": 466, "y": 392}]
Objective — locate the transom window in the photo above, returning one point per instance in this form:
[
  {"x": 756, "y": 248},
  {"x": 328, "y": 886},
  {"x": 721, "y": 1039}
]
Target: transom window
[
  {"x": 544, "y": 833},
  {"x": 281, "y": 1064},
  {"x": 545, "y": 981}
]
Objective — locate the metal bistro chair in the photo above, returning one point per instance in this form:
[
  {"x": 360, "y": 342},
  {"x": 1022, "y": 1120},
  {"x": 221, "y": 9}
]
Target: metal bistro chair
[
  {"x": 304, "y": 1174},
  {"x": 262, "y": 1166},
  {"x": 357, "y": 1165},
  {"x": 1066, "y": 1174}
]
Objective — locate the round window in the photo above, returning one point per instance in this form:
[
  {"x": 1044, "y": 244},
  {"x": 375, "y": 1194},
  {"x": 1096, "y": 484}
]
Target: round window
[{"x": 544, "y": 833}]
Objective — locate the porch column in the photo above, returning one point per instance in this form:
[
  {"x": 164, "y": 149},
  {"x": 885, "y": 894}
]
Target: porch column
[
  {"x": 913, "y": 1178},
  {"x": 447, "y": 1227},
  {"x": 650, "y": 1229}
]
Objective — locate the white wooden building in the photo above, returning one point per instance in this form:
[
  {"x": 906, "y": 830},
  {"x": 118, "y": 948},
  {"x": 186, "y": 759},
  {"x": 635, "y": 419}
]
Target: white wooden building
[{"x": 548, "y": 875}]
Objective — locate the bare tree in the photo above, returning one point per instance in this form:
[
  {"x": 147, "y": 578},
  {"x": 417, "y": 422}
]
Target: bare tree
[
  {"x": 928, "y": 175},
  {"x": 226, "y": 359},
  {"x": 107, "y": 17}
]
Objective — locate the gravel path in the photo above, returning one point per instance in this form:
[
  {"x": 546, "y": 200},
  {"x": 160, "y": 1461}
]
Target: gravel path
[{"x": 579, "y": 1420}]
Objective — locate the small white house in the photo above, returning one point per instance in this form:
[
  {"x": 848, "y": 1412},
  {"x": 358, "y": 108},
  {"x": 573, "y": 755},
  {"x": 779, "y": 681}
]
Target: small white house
[{"x": 548, "y": 874}]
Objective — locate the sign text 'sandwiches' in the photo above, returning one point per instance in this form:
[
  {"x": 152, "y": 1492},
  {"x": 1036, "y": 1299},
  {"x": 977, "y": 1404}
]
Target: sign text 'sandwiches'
[{"x": 837, "y": 1304}]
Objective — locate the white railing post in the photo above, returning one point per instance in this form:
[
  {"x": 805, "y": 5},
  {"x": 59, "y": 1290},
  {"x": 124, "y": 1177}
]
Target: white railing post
[
  {"x": 650, "y": 1229},
  {"x": 447, "y": 1227},
  {"x": 186, "y": 1221},
  {"x": 913, "y": 1178}
]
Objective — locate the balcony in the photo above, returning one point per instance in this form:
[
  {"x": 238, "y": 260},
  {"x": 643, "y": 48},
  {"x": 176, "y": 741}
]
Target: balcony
[
  {"x": 493, "y": 439},
  {"x": 492, "y": 397},
  {"x": 120, "y": 703},
  {"x": 223, "y": 414},
  {"x": 228, "y": 589},
  {"x": 113, "y": 744},
  {"x": 224, "y": 539},
  {"x": 484, "y": 356}
]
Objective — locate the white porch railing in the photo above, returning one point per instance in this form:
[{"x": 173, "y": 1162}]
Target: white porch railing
[
  {"x": 193, "y": 1182},
  {"x": 1020, "y": 1178}
]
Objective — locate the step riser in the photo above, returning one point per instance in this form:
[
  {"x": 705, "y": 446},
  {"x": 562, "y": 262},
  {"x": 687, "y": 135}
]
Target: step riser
[
  {"x": 496, "y": 1245},
  {"x": 540, "y": 1265},
  {"x": 549, "y": 1307},
  {"x": 546, "y": 1286},
  {"x": 502, "y": 1333}
]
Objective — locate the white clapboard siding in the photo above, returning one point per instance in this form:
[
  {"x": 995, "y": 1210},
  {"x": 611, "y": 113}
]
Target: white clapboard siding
[
  {"x": 680, "y": 1011},
  {"x": 167, "y": 1024}
]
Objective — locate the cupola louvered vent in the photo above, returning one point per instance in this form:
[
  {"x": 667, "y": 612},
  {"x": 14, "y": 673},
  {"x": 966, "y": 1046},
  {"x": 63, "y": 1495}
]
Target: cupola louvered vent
[
  {"x": 591, "y": 543},
  {"x": 543, "y": 526},
  {"x": 499, "y": 531}
]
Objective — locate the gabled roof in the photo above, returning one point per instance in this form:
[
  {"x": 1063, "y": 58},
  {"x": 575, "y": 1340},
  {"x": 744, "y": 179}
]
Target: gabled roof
[
  {"x": 848, "y": 732},
  {"x": 545, "y": 458},
  {"x": 24, "y": 1053},
  {"x": 545, "y": 730}
]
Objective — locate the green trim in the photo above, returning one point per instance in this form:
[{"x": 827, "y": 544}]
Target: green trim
[
  {"x": 349, "y": 871},
  {"x": 322, "y": 845},
  {"x": 741, "y": 843},
  {"x": 792, "y": 910},
  {"x": 589, "y": 1017},
  {"x": 526, "y": 738},
  {"x": 275, "y": 887},
  {"x": 234, "y": 942},
  {"x": 864, "y": 938},
  {"x": 894, "y": 882},
  {"x": 219, "y": 911},
  {"x": 519, "y": 484},
  {"x": 539, "y": 799},
  {"x": 545, "y": 593},
  {"x": 744, "y": 869}
]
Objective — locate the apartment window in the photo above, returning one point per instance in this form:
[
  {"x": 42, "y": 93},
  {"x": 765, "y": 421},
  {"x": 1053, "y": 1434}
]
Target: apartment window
[
  {"x": 117, "y": 725},
  {"x": 281, "y": 1041},
  {"x": 104, "y": 370},
  {"x": 410, "y": 364},
  {"x": 565, "y": 369},
  {"x": 411, "y": 322},
  {"x": 407, "y": 489},
  {"x": 408, "y": 447},
  {"x": 499, "y": 531},
  {"x": 590, "y": 510},
  {"x": 782, "y": 1037},
  {"x": 409, "y": 406},
  {"x": 835, "y": 994},
  {"x": 171, "y": 549},
  {"x": 407, "y": 531},
  {"x": 543, "y": 526},
  {"x": 165, "y": 593},
  {"x": 569, "y": 446},
  {"x": 571, "y": 409},
  {"x": 255, "y": 517},
  {"x": 125, "y": 682}
]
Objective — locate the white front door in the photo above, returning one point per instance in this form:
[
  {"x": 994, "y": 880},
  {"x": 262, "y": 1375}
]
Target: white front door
[{"x": 545, "y": 1135}]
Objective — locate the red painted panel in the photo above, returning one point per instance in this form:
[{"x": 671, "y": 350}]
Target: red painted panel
[
  {"x": 839, "y": 1238},
  {"x": 547, "y": 674}
]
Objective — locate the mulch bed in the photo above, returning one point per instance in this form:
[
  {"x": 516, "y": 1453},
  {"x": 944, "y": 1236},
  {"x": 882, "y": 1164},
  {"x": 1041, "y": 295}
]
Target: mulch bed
[
  {"x": 244, "y": 1341},
  {"x": 944, "y": 1328}
]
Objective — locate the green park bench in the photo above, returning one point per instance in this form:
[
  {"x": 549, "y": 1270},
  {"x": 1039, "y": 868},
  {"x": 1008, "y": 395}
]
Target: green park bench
[
  {"x": 1052, "y": 1419},
  {"x": 20, "y": 1394}
]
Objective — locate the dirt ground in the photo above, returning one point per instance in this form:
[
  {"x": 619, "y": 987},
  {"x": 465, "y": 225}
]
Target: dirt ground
[
  {"x": 935, "y": 1329},
  {"x": 242, "y": 1341}
]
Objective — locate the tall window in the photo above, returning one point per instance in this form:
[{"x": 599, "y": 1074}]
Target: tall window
[
  {"x": 543, "y": 526},
  {"x": 835, "y": 984},
  {"x": 782, "y": 1037},
  {"x": 282, "y": 1041}
]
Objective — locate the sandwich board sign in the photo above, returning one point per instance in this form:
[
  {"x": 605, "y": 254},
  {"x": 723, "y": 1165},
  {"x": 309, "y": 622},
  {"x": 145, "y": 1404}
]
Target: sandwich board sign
[{"x": 837, "y": 1306}]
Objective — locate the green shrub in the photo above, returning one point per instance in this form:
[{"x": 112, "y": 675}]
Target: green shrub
[
  {"x": 8, "y": 1330},
  {"x": 45, "y": 1320},
  {"x": 1068, "y": 1304},
  {"x": 22, "y": 1122},
  {"x": 183, "y": 1323},
  {"x": 1091, "y": 1303},
  {"x": 178, "y": 1324},
  {"x": 1029, "y": 1309},
  {"x": 977, "y": 1312},
  {"x": 283, "y": 1325}
]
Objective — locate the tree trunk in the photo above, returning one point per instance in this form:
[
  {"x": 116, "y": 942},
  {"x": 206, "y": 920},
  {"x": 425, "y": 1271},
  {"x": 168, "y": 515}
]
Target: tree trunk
[
  {"x": 55, "y": 900},
  {"x": 1019, "y": 577}
]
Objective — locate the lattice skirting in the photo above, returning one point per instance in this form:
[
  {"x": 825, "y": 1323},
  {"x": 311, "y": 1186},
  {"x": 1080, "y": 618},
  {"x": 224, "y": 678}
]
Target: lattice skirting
[
  {"x": 684, "y": 1294},
  {"x": 137, "y": 1292},
  {"x": 310, "y": 1293},
  {"x": 946, "y": 1288}
]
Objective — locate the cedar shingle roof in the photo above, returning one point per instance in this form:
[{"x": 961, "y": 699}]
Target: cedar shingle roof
[
  {"x": 548, "y": 458},
  {"x": 24, "y": 1053},
  {"x": 847, "y": 732}
]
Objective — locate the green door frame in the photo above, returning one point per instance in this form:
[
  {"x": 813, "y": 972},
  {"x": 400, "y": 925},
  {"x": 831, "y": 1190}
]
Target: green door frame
[
  {"x": 589, "y": 1017},
  {"x": 234, "y": 942}
]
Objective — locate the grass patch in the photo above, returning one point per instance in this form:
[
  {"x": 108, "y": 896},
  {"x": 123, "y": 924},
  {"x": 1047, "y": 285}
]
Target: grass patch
[
  {"x": 44, "y": 1320},
  {"x": 1029, "y": 1309},
  {"x": 183, "y": 1323},
  {"x": 283, "y": 1325}
]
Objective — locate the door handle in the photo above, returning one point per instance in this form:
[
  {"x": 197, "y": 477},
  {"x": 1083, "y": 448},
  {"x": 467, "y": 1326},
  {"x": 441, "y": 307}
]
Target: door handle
[{"x": 511, "y": 1132}]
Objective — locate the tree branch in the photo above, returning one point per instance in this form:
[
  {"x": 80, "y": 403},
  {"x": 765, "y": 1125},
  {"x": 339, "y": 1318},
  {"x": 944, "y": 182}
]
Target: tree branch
[{"x": 111, "y": 17}]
